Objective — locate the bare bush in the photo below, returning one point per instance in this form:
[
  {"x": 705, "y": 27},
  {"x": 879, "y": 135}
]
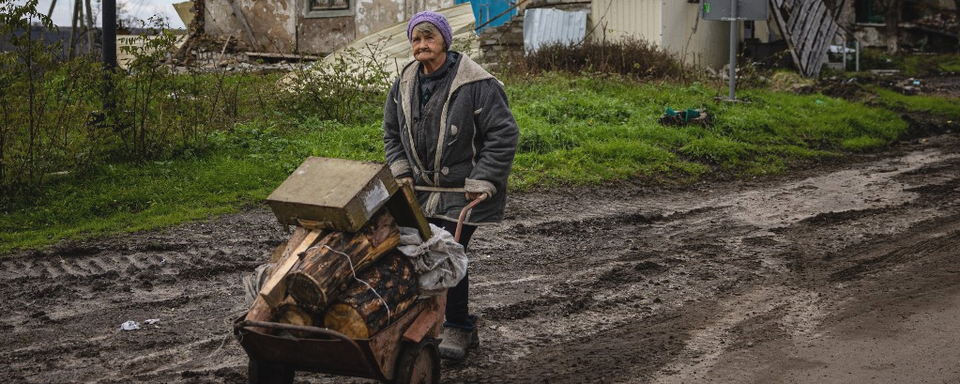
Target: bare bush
[{"x": 629, "y": 57}]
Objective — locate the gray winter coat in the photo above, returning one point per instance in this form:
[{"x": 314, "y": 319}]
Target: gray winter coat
[{"x": 475, "y": 145}]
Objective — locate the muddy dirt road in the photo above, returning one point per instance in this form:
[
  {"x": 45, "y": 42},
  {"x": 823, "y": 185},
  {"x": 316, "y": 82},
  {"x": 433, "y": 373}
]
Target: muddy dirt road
[{"x": 844, "y": 273}]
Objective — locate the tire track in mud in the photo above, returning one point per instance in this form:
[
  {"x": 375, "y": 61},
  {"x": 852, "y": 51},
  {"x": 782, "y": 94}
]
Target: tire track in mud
[
  {"x": 730, "y": 241},
  {"x": 629, "y": 286},
  {"x": 929, "y": 238}
]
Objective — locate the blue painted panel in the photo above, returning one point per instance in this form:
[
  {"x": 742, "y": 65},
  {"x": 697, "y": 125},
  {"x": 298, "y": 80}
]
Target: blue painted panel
[{"x": 484, "y": 10}]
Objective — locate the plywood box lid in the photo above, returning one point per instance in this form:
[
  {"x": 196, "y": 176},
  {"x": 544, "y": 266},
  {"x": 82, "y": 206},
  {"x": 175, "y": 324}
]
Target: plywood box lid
[{"x": 330, "y": 193}]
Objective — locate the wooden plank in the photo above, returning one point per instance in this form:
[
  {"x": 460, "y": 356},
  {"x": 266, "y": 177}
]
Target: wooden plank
[
  {"x": 781, "y": 23},
  {"x": 787, "y": 6},
  {"x": 809, "y": 31},
  {"x": 299, "y": 233},
  {"x": 797, "y": 17},
  {"x": 828, "y": 29},
  {"x": 808, "y": 13},
  {"x": 427, "y": 322},
  {"x": 831, "y": 32},
  {"x": 405, "y": 208},
  {"x": 814, "y": 37},
  {"x": 272, "y": 292},
  {"x": 802, "y": 28},
  {"x": 807, "y": 37},
  {"x": 819, "y": 43}
]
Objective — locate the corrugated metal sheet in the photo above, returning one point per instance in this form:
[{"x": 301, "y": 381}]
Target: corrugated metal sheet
[
  {"x": 668, "y": 24},
  {"x": 615, "y": 19},
  {"x": 394, "y": 48},
  {"x": 543, "y": 26},
  {"x": 708, "y": 46}
]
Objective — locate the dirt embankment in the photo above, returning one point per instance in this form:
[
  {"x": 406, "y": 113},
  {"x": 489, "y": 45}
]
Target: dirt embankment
[{"x": 844, "y": 273}]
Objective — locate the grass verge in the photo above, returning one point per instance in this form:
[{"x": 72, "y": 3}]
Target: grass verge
[{"x": 575, "y": 130}]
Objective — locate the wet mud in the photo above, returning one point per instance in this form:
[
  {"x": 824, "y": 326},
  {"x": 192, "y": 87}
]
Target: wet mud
[{"x": 844, "y": 272}]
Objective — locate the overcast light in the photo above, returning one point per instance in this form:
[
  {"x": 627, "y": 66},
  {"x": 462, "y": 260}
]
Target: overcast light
[{"x": 138, "y": 9}]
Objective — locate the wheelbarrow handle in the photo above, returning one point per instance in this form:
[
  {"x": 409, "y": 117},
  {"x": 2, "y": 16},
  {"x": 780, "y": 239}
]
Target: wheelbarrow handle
[{"x": 463, "y": 215}]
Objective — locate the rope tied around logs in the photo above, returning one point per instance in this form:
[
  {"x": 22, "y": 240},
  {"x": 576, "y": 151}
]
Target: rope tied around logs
[{"x": 353, "y": 271}]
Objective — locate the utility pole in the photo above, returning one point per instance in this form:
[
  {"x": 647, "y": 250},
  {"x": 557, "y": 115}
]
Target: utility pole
[
  {"x": 89, "y": 29},
  {"x": 74, "y": 26},
  {"x": 109, "y": 45}
]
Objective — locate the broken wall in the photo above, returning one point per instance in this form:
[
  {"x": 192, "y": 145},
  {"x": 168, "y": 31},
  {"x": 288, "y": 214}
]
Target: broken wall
[
  {"x": 270, "y": 24},
  {"x": 286, "y": 26},
  {"x": 374, "y": 15}
]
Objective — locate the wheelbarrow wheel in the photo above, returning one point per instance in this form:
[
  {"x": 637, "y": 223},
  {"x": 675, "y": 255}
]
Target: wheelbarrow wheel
[
  {"x": 419, "y": 363},
  {"x": 260, "y": 372}
]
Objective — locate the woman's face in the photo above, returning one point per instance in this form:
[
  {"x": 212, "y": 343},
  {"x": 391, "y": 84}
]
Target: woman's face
[{"x": 427, "y": 47}]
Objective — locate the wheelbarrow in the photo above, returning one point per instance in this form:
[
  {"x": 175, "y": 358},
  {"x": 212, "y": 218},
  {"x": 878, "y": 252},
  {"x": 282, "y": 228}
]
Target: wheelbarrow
[{"x": 405, "y": 351}]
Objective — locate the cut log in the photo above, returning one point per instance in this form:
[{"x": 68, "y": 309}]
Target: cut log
[
  {"x": 273, "y": 291},
  {"x": 260, "y": 310},
  {"x": 319, "y": 276},
  {"x": 290, "y": 313},
  {"x": 364, "y": 309}
]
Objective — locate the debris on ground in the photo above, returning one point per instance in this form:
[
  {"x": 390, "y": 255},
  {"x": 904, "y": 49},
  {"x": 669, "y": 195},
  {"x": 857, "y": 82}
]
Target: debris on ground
[
  {"x": 130, "y": 325},
  {"x": 684, "y": 117}
]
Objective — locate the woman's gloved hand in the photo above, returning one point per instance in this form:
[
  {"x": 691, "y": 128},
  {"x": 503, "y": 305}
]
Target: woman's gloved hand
[{"x": 471, "y": 196}]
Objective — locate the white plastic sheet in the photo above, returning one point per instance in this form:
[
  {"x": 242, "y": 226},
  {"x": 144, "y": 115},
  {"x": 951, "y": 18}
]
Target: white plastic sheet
[{"x": 441, "y": 261}]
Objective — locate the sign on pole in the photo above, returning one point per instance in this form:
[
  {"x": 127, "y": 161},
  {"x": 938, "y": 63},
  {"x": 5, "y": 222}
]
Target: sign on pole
[{"x": 734, "y": 11}]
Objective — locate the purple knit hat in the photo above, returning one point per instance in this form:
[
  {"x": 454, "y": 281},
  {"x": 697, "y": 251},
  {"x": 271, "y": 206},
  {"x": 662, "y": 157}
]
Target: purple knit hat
[{"x": 437, "y": 20}]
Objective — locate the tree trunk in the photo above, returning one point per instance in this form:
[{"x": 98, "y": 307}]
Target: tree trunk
[
  {"x": 320, "y": 274},
  {"x": 365, "y": 309},
  {"x": 956, "y": 9},
  {"x": 89, "y": 27}
]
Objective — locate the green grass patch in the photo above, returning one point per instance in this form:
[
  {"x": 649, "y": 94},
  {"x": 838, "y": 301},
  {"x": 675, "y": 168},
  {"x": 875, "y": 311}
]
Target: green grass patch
[
  {"x": 585, "y": 130},
  {"x": 949, "y": 108},
  {"x": 933, "y": 64}
]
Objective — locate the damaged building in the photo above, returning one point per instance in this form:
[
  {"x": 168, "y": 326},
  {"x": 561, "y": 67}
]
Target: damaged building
[
  {"x": 924, "y": 25},
  {"x": 804, "y": 28},
  {"x": 315, "y": 27}
]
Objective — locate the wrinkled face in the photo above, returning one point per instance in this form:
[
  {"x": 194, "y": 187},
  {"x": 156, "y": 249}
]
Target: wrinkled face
[{"x": 427, "y": 45}]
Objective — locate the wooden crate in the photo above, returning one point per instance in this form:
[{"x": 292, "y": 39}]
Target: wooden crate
[{"x": 332, "y": 194}]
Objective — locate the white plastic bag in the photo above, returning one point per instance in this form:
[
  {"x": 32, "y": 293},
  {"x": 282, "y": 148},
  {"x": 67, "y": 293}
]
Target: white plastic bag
[{"x": 441, "y": 261}]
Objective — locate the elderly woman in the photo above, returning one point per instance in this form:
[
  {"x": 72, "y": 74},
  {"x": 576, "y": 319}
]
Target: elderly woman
[{"x": 448, "y": 131}]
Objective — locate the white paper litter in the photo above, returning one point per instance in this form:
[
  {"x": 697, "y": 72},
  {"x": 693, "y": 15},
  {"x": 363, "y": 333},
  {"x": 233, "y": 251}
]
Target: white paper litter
[{"x": 130, "y": 325}]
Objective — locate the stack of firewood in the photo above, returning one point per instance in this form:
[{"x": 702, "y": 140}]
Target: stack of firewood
[{"x": 355, "y": 283}]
